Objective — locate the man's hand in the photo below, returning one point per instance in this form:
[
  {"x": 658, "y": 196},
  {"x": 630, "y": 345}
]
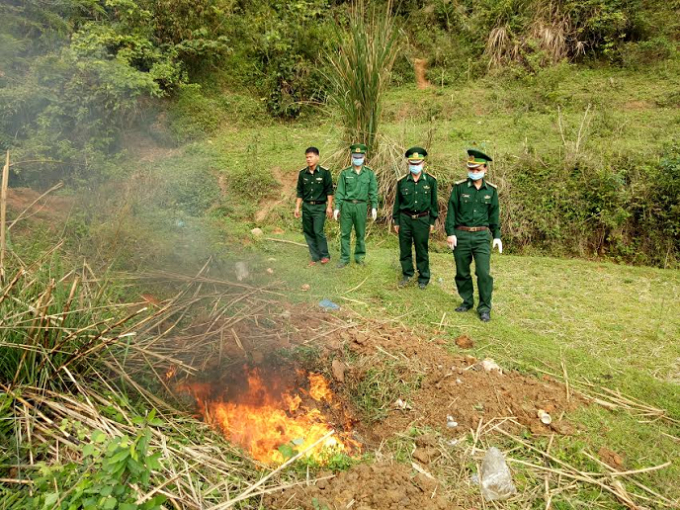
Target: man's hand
[
  {"x": 336, "y": 213},
  {"x": 374, "y": 214},
  {"x": 297, "y": 212},
  {"x": 329, "y": 212},
  {"x": 396, "y": 228},
  {"x": 497, "y": 243},
  {"x": 452, "y": 241},
  {"x": 431, "y": 228}
]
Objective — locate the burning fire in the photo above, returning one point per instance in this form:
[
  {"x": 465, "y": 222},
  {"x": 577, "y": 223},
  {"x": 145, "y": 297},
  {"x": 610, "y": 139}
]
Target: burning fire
[{"x": 261, "y": 414}]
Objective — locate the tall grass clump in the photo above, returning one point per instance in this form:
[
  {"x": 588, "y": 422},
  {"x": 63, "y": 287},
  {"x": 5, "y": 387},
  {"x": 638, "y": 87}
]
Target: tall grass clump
[
  {"x": 359, "y": 69},
  {"x": 87, "y": 419}
]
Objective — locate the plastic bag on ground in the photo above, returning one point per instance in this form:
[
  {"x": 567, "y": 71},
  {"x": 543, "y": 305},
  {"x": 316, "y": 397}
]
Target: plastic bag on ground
[
  {"x": 495, "y": 477},
  {"x": 328, "y": 305}
]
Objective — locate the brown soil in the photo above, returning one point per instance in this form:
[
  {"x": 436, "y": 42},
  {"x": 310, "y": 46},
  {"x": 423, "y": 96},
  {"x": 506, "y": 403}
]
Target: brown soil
[
  {"x": 288, "y": 181},
  {"x": 465, "y": 342},
  {"x": 379, "y": 486},
  {"x": 610, "y": 457},
  {"x": 420, "y": 68},
  {"x": 51, "y": 210},
  {"x": 458, "y": 386}
]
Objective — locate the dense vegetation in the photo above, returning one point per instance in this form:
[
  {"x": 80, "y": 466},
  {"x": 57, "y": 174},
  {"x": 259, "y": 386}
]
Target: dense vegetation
[{"x": 78, "y": 78}]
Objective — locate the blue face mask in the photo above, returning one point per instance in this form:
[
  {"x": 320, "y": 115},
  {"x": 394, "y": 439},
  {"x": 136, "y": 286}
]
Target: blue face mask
[
  {"x": 415, "y": 169},
  {"x": 475, "y": 176},
  {"x": 357, "y": 160}
]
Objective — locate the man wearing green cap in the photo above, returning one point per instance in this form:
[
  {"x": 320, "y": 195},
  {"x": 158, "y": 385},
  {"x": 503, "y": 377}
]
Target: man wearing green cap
[
  {"x": 472, "y": 218},
  {"x": 357, "y": 187},
  {"x": 415, "y": 212},
  {"x": 315, "y": 195}
]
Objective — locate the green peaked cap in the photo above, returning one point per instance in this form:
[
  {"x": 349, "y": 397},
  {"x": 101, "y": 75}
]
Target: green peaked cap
[
  {"x": 416, "y": 153},
  {"x": 358, "y": 148},
  {"x": 476, "y": 158}
]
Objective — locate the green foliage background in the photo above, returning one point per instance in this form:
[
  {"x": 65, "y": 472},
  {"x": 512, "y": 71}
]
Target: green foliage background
[{"x": 79, "y": 79}]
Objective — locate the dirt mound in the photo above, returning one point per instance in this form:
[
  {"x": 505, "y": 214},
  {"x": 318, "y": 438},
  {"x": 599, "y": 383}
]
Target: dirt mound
[
  {"x": 384, "y": 486},
  {"x": 460, "y": 387},
  {"x": 51, "y": 209}
]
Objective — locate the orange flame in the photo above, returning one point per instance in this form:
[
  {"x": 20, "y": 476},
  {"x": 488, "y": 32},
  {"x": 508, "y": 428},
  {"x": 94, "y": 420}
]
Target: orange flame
[{"x": 264, "y": 417}]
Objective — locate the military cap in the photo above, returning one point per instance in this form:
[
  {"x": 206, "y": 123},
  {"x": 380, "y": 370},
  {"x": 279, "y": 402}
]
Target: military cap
[
  {"x": 358, "y": 148},
  {"x": 477, "y": 158},
  {"x": 416, "y": 154}
]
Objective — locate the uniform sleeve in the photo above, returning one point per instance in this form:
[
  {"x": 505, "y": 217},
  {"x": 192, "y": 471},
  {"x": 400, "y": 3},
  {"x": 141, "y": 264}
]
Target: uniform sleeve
[
  {"x": 373, "y": 191},
  {"x": 434, "y": 206},
  {"x": 397, "y": 205},
  {"x": 328, "y": 184},
  {"x": 340, "y": 191},
  {"x": 451, "y": 220},
  {"x": 494, "y": 216}
]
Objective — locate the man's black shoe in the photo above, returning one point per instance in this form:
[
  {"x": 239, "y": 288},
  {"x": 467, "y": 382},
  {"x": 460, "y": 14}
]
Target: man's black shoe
[
  {"x": 462, "y": 308},
  {"x": 422, "y": 285},
  {"x": 485, "y": 316},
  {"x": 404, "y": 282}
]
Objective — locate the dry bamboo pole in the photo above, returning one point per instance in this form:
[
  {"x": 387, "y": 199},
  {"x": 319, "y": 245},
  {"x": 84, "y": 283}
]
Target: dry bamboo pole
[{"x": 3, "y": 216}]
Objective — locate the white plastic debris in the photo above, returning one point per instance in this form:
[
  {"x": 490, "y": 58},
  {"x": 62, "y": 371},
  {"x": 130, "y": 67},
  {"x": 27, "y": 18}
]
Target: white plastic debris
[
  {"x": 257, "y": 232},
  {"x": 545, "y": 418},
  {"x": 488, "y": 364},
  {"x": 495, "y": 477},
  {"x": 451, "y": 423},
  {"x": 402, "y": 404},
  {"x": 241, "y": 270}
]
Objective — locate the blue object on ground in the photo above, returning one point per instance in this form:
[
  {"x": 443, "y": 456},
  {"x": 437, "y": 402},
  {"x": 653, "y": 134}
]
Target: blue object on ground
[{"x": 328, "y": 305}]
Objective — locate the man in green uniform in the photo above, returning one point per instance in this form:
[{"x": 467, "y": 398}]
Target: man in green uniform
[
  {"x": 315, "y": 195},
  {"x": 357, "y": 188},
  {"x": 415, "y": 212},
  {"x": 471, "y": 220}
]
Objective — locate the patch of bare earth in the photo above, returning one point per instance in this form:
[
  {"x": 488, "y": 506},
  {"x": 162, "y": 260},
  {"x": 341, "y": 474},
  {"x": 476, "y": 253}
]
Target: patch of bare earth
[
  {"x": 50, "y": 210},
  {"x": 288, "y": 182}
]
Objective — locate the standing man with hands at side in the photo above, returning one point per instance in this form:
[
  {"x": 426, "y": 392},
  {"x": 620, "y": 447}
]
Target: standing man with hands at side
[
  {"x": 357, "y": 188},
  {"x": 472, "y": 219},
  {"x": 415, "y": 213},
  {"x": 315, "y": 195}
]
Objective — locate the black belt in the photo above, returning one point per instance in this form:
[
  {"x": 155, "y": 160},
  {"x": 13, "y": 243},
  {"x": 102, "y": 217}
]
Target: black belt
[
  {"x": 356, "y": 201},
  {"x": 315, "y": 202},
  {"x": 471, "y": 229},
  {"x": 414, "y": 214}
]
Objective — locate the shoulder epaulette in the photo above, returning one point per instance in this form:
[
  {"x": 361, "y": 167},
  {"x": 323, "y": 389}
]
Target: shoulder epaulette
[
  {"x": 430, "y": 175},
  {"x": 303, "y": 170},
  {"x": 491, "y": 184},
  {"x": 369, "y": 168},
  {"x": 402, "y": 178},
  {"x": 460, "y": 182},
  {"x": 323, "y": 168}
]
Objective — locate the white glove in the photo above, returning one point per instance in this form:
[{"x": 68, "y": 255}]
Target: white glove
[
  {"x": 374, "y": 214},
  {"x": 335, "y": 214},
  {"x": 452, "y": 241},
  {"x": 497, "y": 243}
]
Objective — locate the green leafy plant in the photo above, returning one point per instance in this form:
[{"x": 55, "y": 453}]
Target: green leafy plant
[{"x": 104, "y": 478}]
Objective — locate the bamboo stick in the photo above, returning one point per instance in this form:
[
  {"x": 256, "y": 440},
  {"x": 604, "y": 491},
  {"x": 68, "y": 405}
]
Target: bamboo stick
[{"x": 3, "y": 216}]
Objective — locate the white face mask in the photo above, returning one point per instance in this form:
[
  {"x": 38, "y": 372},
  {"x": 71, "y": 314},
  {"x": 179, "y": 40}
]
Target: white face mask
[
  {"x": 475, "y": 176},
  {"x": 415, "y": 169},
  {"x": 357, "y": 160}
]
